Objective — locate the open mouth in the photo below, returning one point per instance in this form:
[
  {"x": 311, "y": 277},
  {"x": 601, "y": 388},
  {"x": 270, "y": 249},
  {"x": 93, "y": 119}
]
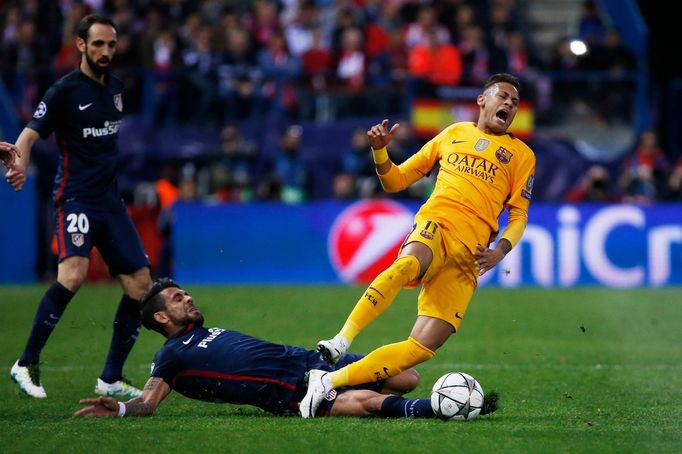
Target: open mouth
[{"x": 502, "y": 115}]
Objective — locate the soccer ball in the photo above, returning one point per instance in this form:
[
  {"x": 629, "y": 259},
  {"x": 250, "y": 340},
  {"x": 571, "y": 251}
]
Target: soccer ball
[{"x": 457, "y": 396}]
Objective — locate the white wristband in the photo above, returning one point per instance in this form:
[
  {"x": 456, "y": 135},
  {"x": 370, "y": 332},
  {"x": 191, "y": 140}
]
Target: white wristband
[{"x": 121, "y": 409}]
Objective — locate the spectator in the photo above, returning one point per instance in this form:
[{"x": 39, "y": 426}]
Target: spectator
[
  {"x": 68, "y": 56},
  {"x": 239, "y": 76},
  {"x": 280, "y": 71},
  {"x": 318, "y": 62},
  {"x": 358, "y": 176},
  {"x": 289, "y": 167},
  {"x": 434, "y": 64},
  {"x": 594, "y": 186},
  {"x": 350, "y": 72},
  {"x": 345, "y": 20},
  {"x": 164, "y": 68},
  {"x": 590, "y": 27},
  {"x": 350, "y": 67},
  {"x": 675, "y": 182},
  {"x": 232, "y": 168},
  {"x": 498, "y": 31},
  {"x": 199, "y": 77},
  {"x": 418, "y": 32},
  {"x": 264, "y": 22},
  {"x": 643, "y": 176},
  {"x": 25, "y": 68},
  {"x": 475, "y": 56},
  {"x": 11, "y": 22},
  {"x": 299, "y": 33},
  {"x": 464, "y": 17},
  {"x": 172, "y": 189}
]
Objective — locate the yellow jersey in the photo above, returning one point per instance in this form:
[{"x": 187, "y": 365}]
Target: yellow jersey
[{"x": 480, "y": 175}]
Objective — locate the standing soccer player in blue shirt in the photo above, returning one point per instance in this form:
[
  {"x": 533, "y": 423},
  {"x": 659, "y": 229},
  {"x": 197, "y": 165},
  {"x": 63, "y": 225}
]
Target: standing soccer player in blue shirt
[
  {"x": 84, "y": 109},
  {"x": 221, "y": 365}
]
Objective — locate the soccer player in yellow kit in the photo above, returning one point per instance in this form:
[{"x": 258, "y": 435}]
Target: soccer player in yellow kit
[{"x": 483, "y": 170}]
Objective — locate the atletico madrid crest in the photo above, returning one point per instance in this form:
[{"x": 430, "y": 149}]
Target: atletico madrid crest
[
  {"x": 118, "y": 102},
  {"x": 77, "y": 239}
]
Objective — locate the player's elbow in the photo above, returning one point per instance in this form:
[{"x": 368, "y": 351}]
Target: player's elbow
[{"x": 390, "y": 188}]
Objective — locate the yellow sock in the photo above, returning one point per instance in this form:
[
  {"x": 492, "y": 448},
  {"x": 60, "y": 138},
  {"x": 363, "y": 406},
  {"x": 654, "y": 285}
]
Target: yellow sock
[
  {"x": 384, "y": 362},
  {"x": 379, "y": 295}
]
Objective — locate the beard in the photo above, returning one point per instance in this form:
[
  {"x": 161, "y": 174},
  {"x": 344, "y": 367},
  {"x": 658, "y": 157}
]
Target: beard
[
  {"x": 197, "y": 320},
  {"x": 95, "y": 68}
]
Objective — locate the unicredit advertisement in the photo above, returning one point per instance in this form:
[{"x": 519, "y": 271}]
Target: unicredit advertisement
[{"x": 333, "y": 242}]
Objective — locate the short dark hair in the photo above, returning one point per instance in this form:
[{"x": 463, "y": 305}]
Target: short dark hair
[
  {"x": 87, "y": 22},
  {"x": 502, "y": 77},
  {"x": 152, "y": 302}
]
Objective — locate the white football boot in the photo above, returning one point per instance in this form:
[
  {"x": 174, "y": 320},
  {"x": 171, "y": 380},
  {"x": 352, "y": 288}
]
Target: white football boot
[
  {"x": 333, "y": 349},
  {"x": 119, "y": 388},
  {"x": 317, "y": 391},
  {"x": 28, "y": 379}
]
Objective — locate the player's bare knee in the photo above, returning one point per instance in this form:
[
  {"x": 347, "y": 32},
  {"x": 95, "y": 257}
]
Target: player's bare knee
[
  {"x": 72, "y": 272},
  {"x": 411, "y": 379},
  {"x": 402, "y": 383},
  {"x": 135, "y": 285},
  {"x": 421, "y": 252}
]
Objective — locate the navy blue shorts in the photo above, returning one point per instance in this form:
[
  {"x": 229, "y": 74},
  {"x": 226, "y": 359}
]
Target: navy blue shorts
[{"x": 81, "y": 226}]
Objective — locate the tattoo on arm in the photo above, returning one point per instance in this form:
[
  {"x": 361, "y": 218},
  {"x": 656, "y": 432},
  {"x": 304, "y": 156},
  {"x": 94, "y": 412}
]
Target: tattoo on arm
[
  {"x": 505, "y": 245},
  {"x": 138, "y": 407},
  {"x": 151, "y": 383}
]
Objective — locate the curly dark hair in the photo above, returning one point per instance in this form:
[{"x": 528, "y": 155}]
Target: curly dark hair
[{"x": 152, "y": 302}]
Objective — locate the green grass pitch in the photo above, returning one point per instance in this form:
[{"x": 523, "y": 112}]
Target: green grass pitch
[{"x": 585, "y": 370}]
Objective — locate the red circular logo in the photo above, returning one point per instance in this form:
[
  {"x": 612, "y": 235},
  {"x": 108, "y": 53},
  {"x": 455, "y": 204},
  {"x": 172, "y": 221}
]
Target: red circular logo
[{"x": 366, "y": 237}]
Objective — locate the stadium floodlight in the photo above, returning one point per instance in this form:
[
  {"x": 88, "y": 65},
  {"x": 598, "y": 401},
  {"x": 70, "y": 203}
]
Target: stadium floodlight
[{"x": 578, "y": 47}]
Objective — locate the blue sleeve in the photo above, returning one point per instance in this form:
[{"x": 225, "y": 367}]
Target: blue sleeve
[
  {"x": 47, "y": 113},
  {"x": 166, "y": 365}
]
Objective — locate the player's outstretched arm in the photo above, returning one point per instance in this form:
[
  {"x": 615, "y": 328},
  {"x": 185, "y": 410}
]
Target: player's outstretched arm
[{"x": 153, "y": 393}]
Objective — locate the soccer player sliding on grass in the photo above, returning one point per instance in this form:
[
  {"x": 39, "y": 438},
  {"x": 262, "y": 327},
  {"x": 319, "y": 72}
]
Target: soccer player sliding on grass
[
  {"x": 220, "y": 365},
  {"x": 483, "y": 170}
]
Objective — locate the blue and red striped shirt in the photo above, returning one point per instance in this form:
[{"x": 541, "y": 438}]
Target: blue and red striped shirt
[
  {"x": 85, "y": 117},
  {"x": 219, "y": 365}
]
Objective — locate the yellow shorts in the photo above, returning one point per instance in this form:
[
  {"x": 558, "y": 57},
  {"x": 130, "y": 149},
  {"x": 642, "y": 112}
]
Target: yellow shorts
[{"x": 450, "y": 281}]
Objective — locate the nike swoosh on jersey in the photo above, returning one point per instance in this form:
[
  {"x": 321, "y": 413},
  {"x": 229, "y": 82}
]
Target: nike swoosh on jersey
[
  {"x": 84, "y": 107},
  {"x": 188, "y": 340},
  {"x": 454, "y": 142}
]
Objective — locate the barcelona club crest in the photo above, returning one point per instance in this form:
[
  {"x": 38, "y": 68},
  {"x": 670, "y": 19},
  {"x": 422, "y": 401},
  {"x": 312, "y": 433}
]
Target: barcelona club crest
[
  {"x": 503, "y": 155},
  {"x": 118, "y": 102},
  {"x": 77, "y": 239},
  {"x": 481, "y": 145}
]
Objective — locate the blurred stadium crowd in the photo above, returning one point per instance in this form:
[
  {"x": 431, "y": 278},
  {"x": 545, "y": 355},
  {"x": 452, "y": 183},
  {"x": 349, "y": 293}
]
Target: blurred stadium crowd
[{"x": 234, "y": 68}]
